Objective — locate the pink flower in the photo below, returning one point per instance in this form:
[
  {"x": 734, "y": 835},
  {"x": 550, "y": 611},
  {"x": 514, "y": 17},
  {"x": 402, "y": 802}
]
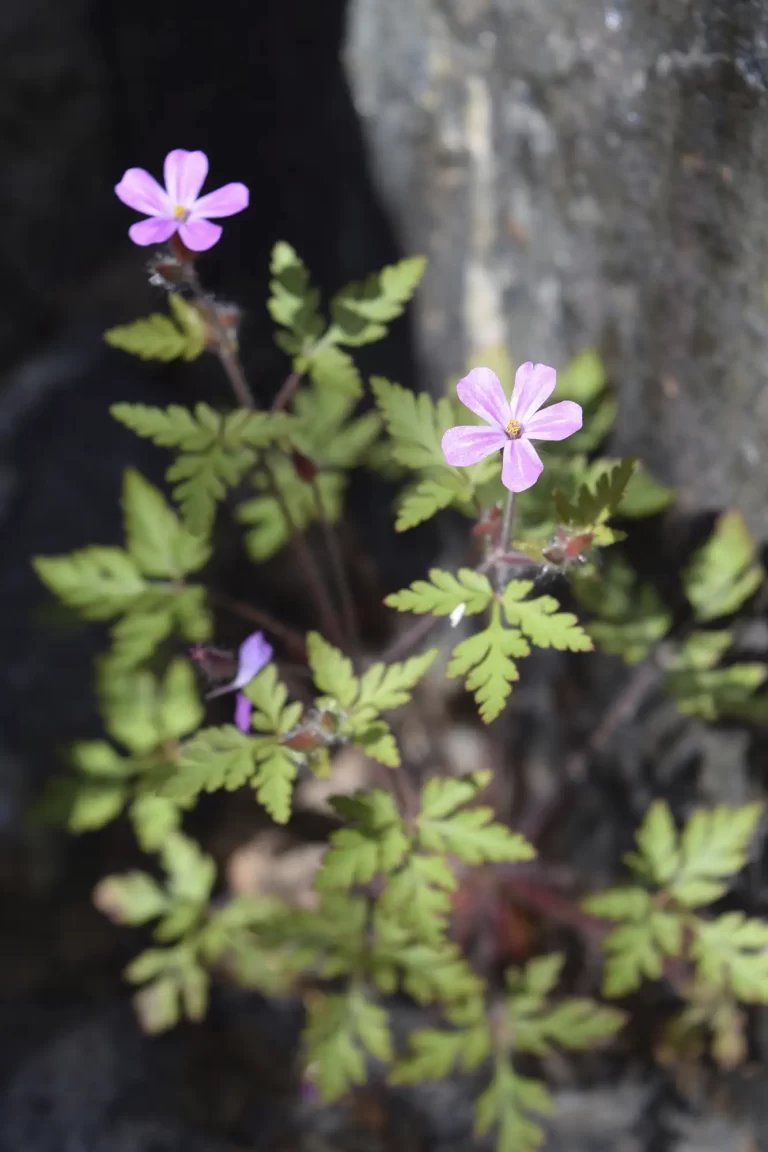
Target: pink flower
[
  {"x": 512, "y": 423},
  {"x": 179, "y": 207},
  {"x": 255, "y": 653}
]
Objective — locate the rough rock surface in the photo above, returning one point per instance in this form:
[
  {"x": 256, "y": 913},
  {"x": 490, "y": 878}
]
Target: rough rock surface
[{"x": 590, "y": 173}]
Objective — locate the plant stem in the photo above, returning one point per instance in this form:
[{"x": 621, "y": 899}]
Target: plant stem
[
  {"x": 287, "y": 392},
  {"x": 292, "y": 639},
  {"x": 505, "y": 536},
  {"x": 230, "y": 362},
  {"x": 349, "y": 615}
]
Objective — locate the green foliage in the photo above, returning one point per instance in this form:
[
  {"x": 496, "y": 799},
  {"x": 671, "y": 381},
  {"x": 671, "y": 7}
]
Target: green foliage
[
  {"x": 361, "y": 311},
  {"x": 340, "y": 1030},
  {"x": 327, "y": 434},
  {"x": 723, "y": 574},
  {"x": 630, "y": 618},
  {"x": 525, "y": 1022},
  {"x": 487, "y": 659},
  {"x": 359, "y": 701},
  {"x": 443, "y": 593},
  {"x": 360, "y": 314},
  {"x": 594, "y": 503},
  {"x": 225, "y": 757},
  {"x": 148, "y": 716},
  {"x": 180, "y": 336},
  {"x": 415, "y": 425},
  {"x": 688, "y": 870},
  {"x": 700, "y": 688},
  {"x": 143, "y": 584},
  {"x": 214, "y": 451}
]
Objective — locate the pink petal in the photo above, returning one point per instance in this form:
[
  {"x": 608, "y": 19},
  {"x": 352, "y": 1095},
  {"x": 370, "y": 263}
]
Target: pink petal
[
  {"x": 199, "y": 235},
  {"x": 185, "y": 174},
  {"x": 469, "y": 443},
  {"x": 243, "y": 710},
  {"x": 534, "y": 384},
  {"x": 255, "y": 653},
  {"x": 141, "y": 191},
  {"x": 556, "y": 422},
  {"x": 482, "y": 393},
  {"x": 224, "y": 201},
  {"x": 521, "y": 465},
  {"x": 152, "y": 231}
]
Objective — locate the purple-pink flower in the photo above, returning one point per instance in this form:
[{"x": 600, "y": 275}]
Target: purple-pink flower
[
  {"x": 255, "y": 653},
  {"x": 179, "y": 207},
  {"x": 512, "y": 423}
]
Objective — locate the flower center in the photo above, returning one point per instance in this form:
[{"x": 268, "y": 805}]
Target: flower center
[
  {"x": 180, "y": 213},
  {"x": 514, "y": 429}
]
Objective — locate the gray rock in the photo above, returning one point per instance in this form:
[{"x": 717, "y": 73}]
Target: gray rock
[{"x": 590, "y": 173}]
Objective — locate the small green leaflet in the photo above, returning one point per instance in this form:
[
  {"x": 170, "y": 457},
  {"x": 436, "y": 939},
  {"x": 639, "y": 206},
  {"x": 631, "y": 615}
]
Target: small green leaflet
[
  {"x": 215, "y": 452},
  {"x": 630, "y": 617},
  {"x": 506, "y": 1105},
  {"x": 293, "y": 303},
  {"x": 143, "y": 712},
  {"x": 470, "y": 834},
  {"x": 359, "y": 701},
  {"x": 333, "y": 370},
  {"x": 341, "y": 1030},
  {"x": 102, "y": 583},
  {"x": 327, "y": 434},
  {"x": 421, "y": 501},
  {"x": 724, "y": 573},
  {"x": 593, "y": 506},
  {"x": 444, "y": 592},
  {"x": 181, "y": 336},
  {"x": 360, "y": 312},
  {"x": 486, "y": 660},
  {"x": 700, "y": 688},
  {"x": 731, "y": 952},
  {"x": 540, "y": 620},
  {"x": 434, "y": 1054},
  {"x": 415, "y": 424},
  {"x": 133, "y": 898},
  {"x": 536, "y": 1026},
  {"x": 373, "y": 840},
  {"x": 713, "y": 850}
]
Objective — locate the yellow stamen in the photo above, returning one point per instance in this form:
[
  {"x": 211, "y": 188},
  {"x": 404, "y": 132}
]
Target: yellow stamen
[
  {"x": 180, "y": 213},
  {"x": 513, "y": 429}
]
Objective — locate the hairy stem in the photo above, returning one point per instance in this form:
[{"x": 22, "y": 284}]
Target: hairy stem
[{"x": 505, "y": 539}]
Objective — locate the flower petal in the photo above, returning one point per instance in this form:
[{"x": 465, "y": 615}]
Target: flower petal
[
  {"x": 482, "y": 393},
  {"x": 556, "y": 422},
  {"x": 534, "y": 384},
  {"x": 254, "y": 654},
  {"x": 243, "y": 710},
  {"x": 141, "y": 191},
  {"x": 199, "y": 235},
  {"x": 152, "y": 231},
  {"x": 521, "y": 466},
  {"x": 469, "y": 444},
  {"x": 185, "y": 174},
  {"x": 225, "y": 201}
]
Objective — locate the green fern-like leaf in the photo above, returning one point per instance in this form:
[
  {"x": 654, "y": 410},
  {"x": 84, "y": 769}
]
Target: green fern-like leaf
[
  {"x": 731, "y": 952},
  {"x": 340, "y": 1031},
  {"x": 486, "y": 660},
  {"x": 213, "y": 759},
  {"x": 360, "y": 312},
  {"x": 444, "y": 592},
  {"x": 181, "y": 336},
  {"x": 215, "y": 452},
  {"x": 293, "y": 303},
  {"x": 470, "y": 834},
  {"x": 373, "y": 841},
  {"x": 160, "y": 544},
  {"x": 540, "y": 620},
  {"x": 630, "y": 617},
  {"x": 713, "y": 849},
  {"x": 724, "y": 573},
  {"x": 415, "y": 424},
  {"x": 332, "y": 369},
  {"x": 423, "y": 501},
  {"x": 507, "y": 1104},
  {"x": 593, "y": 506}
]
